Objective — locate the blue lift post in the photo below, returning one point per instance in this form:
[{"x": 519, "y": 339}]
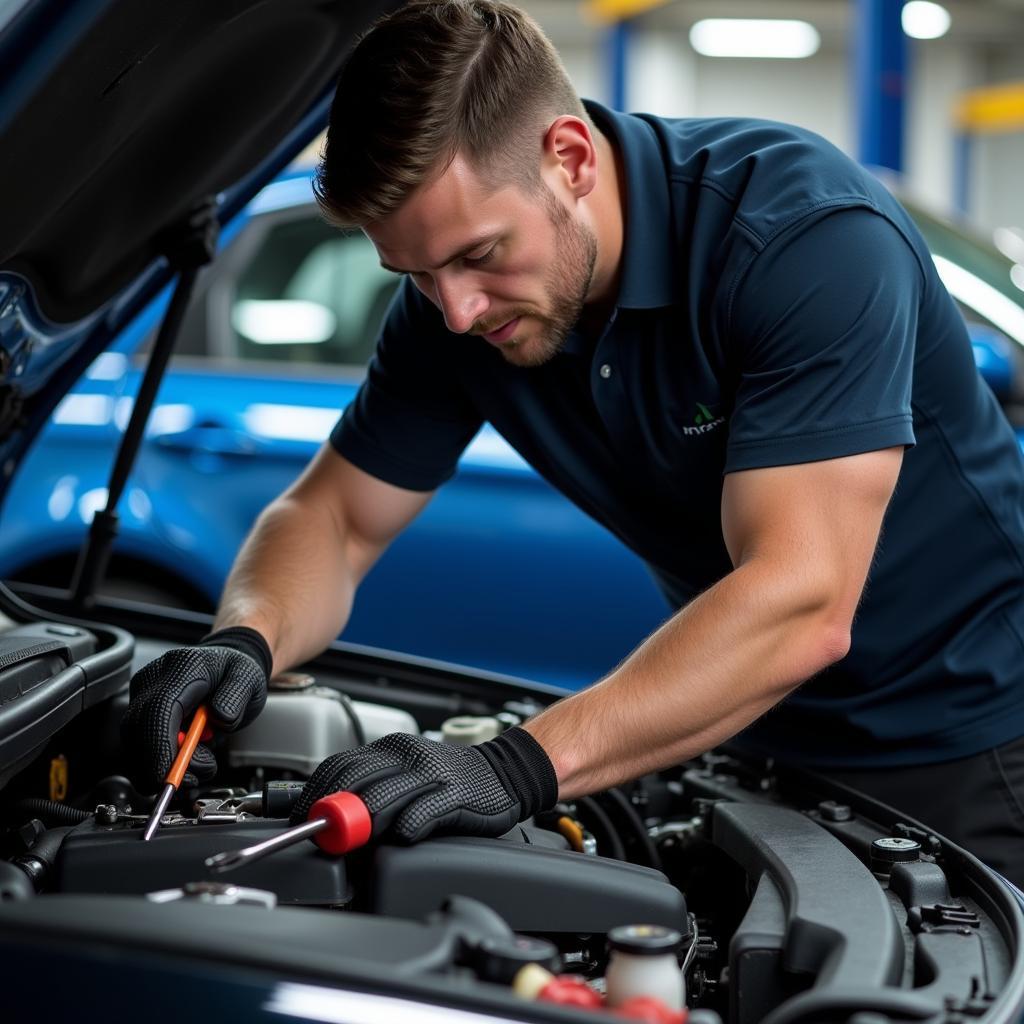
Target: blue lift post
[
  {"x": 619, "y": 16},
  {"x": 880, "y": 65},
  {"x": 618, "y": 62}
]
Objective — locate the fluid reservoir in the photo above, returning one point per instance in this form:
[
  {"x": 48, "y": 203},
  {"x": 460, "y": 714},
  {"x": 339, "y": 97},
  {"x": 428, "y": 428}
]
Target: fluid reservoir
[
  {"x": 467, "y": 730},
  {"x": 643, "y": 963},
  {"x": 303, "y": 723}
]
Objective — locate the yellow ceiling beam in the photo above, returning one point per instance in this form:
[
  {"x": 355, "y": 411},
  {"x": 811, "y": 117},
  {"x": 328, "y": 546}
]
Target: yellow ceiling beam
[
  {"x": 995, "y": 108},
  {"x": 620, "y": 10}
]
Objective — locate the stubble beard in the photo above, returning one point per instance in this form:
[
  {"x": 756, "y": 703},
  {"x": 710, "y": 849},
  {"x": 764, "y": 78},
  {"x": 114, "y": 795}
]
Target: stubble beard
[{"x": 568, "y": 282}]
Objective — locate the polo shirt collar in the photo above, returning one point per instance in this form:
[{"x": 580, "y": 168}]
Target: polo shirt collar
[{"x": 649, "y": 255}]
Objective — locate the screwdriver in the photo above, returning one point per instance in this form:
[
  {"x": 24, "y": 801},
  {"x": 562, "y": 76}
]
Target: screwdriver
[
  {"x": 337, "y": 823},
  {"x": 174, "y": 776}
]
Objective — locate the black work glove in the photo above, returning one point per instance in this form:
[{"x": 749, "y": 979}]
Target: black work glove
[
  {"x": 228, "y": 671},
  {"x": 413, "y": 787}
]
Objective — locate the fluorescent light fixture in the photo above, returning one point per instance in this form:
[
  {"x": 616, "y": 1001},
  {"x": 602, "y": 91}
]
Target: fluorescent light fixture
[
  {"x": 1017, "y": 275},
  {"x": 925, "y": 20},
  {"x": 754, "y": 37},
  {"x": 986, "y": 301}
]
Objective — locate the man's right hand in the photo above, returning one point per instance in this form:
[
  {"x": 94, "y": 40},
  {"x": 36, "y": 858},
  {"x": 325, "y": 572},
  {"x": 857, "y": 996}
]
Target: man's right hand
[{"x": 228, "y": 671}]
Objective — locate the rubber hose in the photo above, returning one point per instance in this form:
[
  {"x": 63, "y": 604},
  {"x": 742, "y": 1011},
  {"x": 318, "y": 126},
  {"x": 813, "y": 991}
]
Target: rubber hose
[
  {"x": 598, "y": 818},
  {"x": 37, "y": 862},
  {"x": 51, "y": 812},
  {"x": 651, "y": 857},
  {"x": 47, "y": 845},
  {"x": 353, "y": 717}
]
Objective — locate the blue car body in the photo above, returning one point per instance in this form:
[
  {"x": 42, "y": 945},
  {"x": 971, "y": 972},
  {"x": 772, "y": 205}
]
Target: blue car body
[{"x": 499, "y": 572}]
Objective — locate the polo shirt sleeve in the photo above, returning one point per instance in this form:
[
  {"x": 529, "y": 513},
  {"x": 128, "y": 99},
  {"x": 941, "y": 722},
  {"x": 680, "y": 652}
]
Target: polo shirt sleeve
[
  {"x": 822, "y": 331},
  {"x": 411, "y": 419}
]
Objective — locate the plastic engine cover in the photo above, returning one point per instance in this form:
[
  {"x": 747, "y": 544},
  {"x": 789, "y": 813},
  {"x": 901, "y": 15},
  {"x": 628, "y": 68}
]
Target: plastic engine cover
[
  {"x": 111, "y": 859},
  {"x": 535, "y": 889}
]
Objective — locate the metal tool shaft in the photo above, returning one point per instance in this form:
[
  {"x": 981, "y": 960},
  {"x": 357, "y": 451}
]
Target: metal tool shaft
[
  {"x": 177, "y": 772},
  {"x": 158, "y": 811},
  {"x": 236, "y": 858}
]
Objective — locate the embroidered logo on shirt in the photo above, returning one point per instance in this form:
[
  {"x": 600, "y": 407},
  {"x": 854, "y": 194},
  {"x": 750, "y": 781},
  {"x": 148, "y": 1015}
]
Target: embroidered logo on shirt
[{"x": 704, "y": 422}]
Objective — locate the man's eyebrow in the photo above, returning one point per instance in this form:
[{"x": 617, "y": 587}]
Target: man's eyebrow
[{"x": 492, "y": 236}]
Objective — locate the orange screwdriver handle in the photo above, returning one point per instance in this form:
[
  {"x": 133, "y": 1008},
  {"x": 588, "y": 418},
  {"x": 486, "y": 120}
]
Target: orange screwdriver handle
[
  {"x": 348, "y": 823},
  {"x": 205, "y": 738},
  {"x": 188, "y": 747}
]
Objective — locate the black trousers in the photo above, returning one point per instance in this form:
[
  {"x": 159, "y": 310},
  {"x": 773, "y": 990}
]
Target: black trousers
[{"x": 977, "y": 802}]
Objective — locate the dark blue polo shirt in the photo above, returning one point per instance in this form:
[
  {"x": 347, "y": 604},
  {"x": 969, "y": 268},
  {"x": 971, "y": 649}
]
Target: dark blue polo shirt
[{"x": 777, "y": 306}]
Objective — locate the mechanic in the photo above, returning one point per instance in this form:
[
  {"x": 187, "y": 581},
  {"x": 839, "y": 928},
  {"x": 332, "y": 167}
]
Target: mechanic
[{"x": 727, "y": 343}]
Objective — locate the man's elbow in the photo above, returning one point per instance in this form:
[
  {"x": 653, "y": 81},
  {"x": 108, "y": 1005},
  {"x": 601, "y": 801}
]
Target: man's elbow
[
  {"x": 823, "y": 634},
  {"x": 813, "y": 647},
  {"x": 834, "y": 644},
  {"x": 829, "y": 625}
]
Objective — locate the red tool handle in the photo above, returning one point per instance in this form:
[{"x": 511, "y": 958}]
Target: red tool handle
[{"x": 348, "y": 823}]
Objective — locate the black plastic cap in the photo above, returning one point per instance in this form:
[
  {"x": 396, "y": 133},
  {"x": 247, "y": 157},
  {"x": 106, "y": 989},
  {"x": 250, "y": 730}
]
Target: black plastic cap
[
  {"x": 893, "y": 850},
  {"x": 644, "y": 939},
  {"x": 500, "y": 960}
]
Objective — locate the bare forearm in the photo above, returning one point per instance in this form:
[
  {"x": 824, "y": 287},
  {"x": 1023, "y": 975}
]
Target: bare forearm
[
  {"x": 712, "y": 669},
  {"x": 291, "y": 581}
]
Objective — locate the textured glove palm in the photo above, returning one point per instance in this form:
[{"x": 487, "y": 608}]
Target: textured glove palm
[
  {"x": 413, "y": 787},
  {"x": 228, "y": 671}
]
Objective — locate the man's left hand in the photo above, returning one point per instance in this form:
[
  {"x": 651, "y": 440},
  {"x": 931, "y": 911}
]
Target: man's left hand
[{"x": 413, "y": 787}]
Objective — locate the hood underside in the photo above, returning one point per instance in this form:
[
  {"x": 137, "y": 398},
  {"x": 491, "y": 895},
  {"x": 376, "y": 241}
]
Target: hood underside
[{"x": 117, "y": 123}]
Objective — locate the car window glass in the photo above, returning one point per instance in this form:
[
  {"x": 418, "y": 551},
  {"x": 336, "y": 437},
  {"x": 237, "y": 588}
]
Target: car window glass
[
  {"x": 976, "y": 274},
  {"x": 310, "y": 294}
]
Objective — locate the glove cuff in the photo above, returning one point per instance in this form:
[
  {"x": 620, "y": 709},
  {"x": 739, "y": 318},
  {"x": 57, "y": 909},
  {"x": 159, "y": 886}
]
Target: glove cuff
[
  {"x": 518, "y": 757},
  {"x": 245, "y": 640}
]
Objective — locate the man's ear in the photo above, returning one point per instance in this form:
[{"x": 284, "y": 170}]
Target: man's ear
[{"x": 569, "y": 156}]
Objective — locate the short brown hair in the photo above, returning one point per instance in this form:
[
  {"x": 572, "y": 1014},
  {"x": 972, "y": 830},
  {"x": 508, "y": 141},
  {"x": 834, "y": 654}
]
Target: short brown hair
[{"x": 434, "y": 79}]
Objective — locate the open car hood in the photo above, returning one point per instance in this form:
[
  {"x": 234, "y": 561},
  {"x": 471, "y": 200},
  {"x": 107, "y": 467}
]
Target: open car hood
[{"x": 116, "y": 119}]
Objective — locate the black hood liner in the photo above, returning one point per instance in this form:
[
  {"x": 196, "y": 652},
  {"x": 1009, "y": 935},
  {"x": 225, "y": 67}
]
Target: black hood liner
[{"x": 157, "y": 105}]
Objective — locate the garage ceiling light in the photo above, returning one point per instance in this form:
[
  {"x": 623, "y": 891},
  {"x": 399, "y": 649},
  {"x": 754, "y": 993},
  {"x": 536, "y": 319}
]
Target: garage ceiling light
[
  {"x": 749, "y": 37},
  {"x": 924, "y": 20}
]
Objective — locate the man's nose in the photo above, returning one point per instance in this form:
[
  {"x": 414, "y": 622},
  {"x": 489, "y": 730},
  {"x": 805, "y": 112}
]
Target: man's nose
[{"x": 462, "y": 304}]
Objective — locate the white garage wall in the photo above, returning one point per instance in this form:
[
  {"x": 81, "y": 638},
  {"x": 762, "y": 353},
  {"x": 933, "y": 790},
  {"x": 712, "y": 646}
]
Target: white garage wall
[
  {"x": 940, "y": 72},
  {"x": 997, "y": 167}
]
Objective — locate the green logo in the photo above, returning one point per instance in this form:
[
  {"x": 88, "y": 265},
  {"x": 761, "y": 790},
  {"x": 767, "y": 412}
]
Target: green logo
[
  {"x": 704, "y": 422},
  {"x": 703, "y": 415}
]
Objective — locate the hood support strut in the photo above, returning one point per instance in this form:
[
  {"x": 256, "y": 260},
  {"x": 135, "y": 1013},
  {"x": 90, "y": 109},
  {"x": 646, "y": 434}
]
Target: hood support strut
[{"x": 189, "y": 247}]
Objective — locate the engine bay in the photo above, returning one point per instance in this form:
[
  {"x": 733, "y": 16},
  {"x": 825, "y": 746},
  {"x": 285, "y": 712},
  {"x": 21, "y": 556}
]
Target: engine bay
[{"x": 776, "y": 896}]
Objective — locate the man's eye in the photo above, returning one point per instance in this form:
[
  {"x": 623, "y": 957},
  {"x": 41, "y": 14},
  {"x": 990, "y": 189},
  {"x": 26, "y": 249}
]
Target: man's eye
[{"x": 479, "y": 261}]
